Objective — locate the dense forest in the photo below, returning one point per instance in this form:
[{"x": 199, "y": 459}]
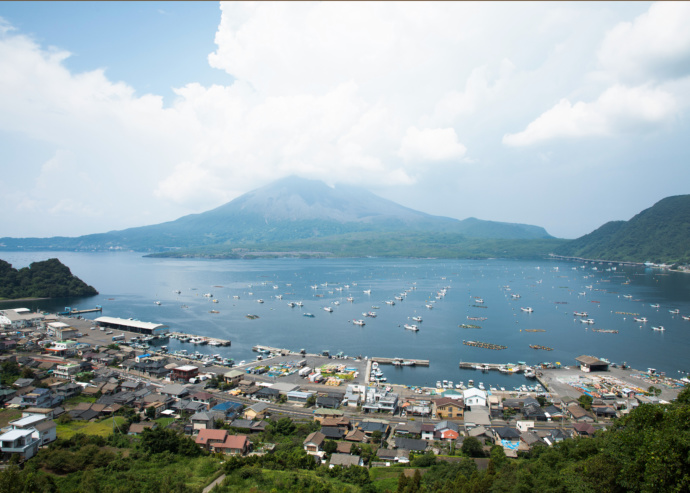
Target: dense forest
[
  {"x": 660, "y": 234},
  {"x": 46, "y": 279},
  {"x": 645, "y": 451}
]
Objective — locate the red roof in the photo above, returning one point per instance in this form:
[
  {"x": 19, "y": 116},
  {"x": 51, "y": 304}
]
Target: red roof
[
  {"x": 205, "y": 436},
  {"x": 449, "y": 435},
  {"x": 234, "y": 442}
]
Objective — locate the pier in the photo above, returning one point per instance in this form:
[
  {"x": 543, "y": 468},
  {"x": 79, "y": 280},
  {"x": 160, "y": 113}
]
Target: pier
[
  {"x": 74, "y": 311},
  {"x": 393, "y": 361},
  {"x": 211, "y": 341},
  {"x": 271, "y": 350},
  {"x": 491, "y": 366}
]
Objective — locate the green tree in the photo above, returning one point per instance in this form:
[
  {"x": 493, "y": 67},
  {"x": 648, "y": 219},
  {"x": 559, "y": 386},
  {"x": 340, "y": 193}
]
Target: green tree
[
  {"x": 585, "y": 401},
  {"x": 472, "y": 447}
]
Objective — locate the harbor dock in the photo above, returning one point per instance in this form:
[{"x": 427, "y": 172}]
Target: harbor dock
[
  {"x": 211, "y": 341},
  {"x": 393, "y": 361},
  {"x": 73, "y": 311},
  {"x": 491, "y": 366}
]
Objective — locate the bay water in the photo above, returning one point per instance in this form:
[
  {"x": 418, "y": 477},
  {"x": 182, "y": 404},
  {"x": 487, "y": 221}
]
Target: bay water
[{"x": 480, "y": 293}]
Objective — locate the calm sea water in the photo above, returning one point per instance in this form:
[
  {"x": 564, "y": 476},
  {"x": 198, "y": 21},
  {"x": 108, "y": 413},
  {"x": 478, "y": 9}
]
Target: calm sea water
[{"x": 130, "y": 284}]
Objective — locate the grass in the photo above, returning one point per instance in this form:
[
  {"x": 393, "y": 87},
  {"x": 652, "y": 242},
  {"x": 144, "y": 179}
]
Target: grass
[
  {"x": 77, "y": 399},
  {"x": 7, "y": 415},
  {"x": 164, "y": 422},
  {"x": 101, "y": 428}
]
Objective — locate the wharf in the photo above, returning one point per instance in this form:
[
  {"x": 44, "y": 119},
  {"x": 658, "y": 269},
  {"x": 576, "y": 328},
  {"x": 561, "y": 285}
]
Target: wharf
[
  {"x": 491, "y": 366},
  {"x": 273, "y": 350},
  {"x": 390, "y": 361},
  {"x": 72, "y": 311},
  {"x": 212, "y": 341}
]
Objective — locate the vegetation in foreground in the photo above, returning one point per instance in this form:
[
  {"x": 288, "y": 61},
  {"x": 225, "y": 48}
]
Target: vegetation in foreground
[{"x": 646, "y": 451}]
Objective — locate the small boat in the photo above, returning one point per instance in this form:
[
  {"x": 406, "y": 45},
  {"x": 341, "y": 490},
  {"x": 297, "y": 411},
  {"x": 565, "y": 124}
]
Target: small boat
[
  {"x": 411, "y": 327},
  {"x": 258, "y": 301},
  {"x": 675, "y": 312},
  {"x": 291, "y": 304},
  {"x": 157, "y": 302},
  {"x": 208, "y": 295},
  {"x": 429, "y": 306},
  {"x": 307, "y": 314},
  {"x": 358, "y": 322},
  {"x": 515, "y": 296},
  {"x": 659, "y": 328},
  {"x": 481, "y": 385},
  {"x": 299, "y": 303},
  {"x": 655, "y": 305},
  {"x": 587, "y": 321},
  {"x": 580, "y": 314},
  {"x": 640, "y": 319},
  {"x": 336, "y": 303},
  {"x": 328, "y": 308},
  {"x": 350, "y": 299},
  {"x": 390, "y": 302},
  {"x": 215, "y": 301},
  {"x": 177, "y": 291},
  {"x": 417, "y": 318},
  {"x": 527, "y": 309},
  {"x": 627, "y": 296},
  {"x": 685, "y": 317},
  {"x": 367, "y": 291}
]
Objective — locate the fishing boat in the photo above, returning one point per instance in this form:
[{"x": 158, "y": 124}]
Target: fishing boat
[
  {"x": 358, "y": 322},
  {"x": 258, "y": 301},
  {"x": 417, "y": 318},
  {"x": 659, "y": 328},
  {"x": 655, "y": 305},
  {"x": 587, "y": 321},
  {"x": 429, "y": 306},
  {"x": 390, "y": 302},
  {"x": 157, "y": 302},
  {"x": 367, "y": 291},
  {"x": 411, "y": 327},
  {"x": 307, "y": 314},
  {"x": 685, "y": 317},
  {"x": 291, "y": 304},
  {"x": 580, "y": 314},
  {"x": 527, "y": 309},
  {"x": 640, "y": 319},
  {"x": 675, "y": 312},
  {"x": 328, "y": 308}
]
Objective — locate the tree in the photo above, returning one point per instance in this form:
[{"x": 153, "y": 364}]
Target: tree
[
  {"x": 472, "y": 447},
  {"x": 654, "y": 391},
  {"x": 586, "y": 401},
  {"x": 329, "y": 446},
  {"x": 376, "y": 436},
  {"x": 151, "y": 412},
  {"x": 311, "y": 401}
]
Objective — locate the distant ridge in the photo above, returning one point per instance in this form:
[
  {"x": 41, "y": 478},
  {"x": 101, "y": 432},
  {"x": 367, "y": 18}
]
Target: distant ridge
[
  {"x": 660, "y": 234},
  {"x": 290, "y": 209}
]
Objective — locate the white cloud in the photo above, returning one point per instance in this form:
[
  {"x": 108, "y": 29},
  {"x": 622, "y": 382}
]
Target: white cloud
[
  {"x": 655, "y": 45},
  {"x": 618, "y": 109},
  {"x": 431, "y": 144}
]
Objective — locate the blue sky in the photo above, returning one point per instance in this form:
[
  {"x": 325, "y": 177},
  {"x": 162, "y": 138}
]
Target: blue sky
[{"x": 120, "y": 114}]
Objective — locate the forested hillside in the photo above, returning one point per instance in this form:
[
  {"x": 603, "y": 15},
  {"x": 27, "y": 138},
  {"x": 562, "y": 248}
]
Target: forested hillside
[
  {"x": 46, "y": 279},
  {"x": 660, "y": 234}
]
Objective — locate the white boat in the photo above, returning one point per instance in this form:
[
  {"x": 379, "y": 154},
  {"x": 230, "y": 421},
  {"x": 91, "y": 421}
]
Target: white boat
[
  {"x": 417, "y": 318},
  {"x": 429, "y": 306},
  {"x": 358, "y": 322},
  {"x": 208, "y": 295},
  {"x": 177, "y": 291},
  {"x": 299, "y": 303},
  {"x": 157, "y": 302},
  {"x": 438, "y": 384},
  {"x": 675, "y": 312},
  {"x": 390, "y": 302},
  {"x": 481, "y": 385},
  {"x": 587, "y": 321},
  {"x": 279, "y": 296},
  {"x": 336, "y": 303},
  {"x": 527, "y": 309},
  {"x": 216, "y": 301},
  {"x": 235, "y": 297},
  {"x": 515, "y": 296},
  {"x": 291, "y": 304},
  {"x": 411, "y": 327},
  {"x": 328, "y": 308},
  {"x": 685, "y": 317},
  {"x": 580, "y": 314},
  {"x": 655, "y": 305},
  {"x": 478, "y": 300},
  {"x": 659, "y": 328},
  {"x": 350, "y": 299},
  {"x": 640, "y": 319},
  {"x": 367, "y": 291}
]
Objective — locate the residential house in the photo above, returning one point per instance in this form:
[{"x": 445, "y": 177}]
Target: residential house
[
  {"x": 447, "y": 408},
  {"x": 257, "y": 411},
  {"x": 20, "y": 441},
  {"x": 313, "y": 444},
  {"x": 205, "y": 420},
  {"x": 344, "y": 460},
  {"x": 333, "y": 432},
  {"x": 583, "y": 429},
  {"x": 474, "y": 397},
  {"x": 138, "y": 428},
  {"x": 205, "y": 398},
  {"x": 267, "y": 394},
  {"x": 234, "y": 444},
  {"x": 411, "y": 444},
  {"x": 579, "y": 414},
  {"x": 233, "y": 376}
]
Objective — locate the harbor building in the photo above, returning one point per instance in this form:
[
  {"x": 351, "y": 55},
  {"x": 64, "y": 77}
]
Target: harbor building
[
  {"x": 590, "y": 363},
  {"x": 146, "y": 328}
]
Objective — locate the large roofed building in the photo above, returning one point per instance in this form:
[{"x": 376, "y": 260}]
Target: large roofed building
[
  {"x": 590, "y": 363},
  {"x": 148, "y": 328}
]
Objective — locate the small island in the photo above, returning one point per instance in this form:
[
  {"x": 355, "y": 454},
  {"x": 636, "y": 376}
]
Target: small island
[{"x": 46, "y": 279}]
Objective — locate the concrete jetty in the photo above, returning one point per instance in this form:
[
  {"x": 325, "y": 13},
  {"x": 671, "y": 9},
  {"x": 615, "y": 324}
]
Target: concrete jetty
[{"x": 391, "y": 361}]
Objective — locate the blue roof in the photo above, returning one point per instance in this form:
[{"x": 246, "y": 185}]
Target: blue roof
[{"x": 227, "y": 406}]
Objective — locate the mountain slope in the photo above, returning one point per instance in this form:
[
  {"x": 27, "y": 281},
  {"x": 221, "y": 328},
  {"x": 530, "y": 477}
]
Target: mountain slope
[
  {"x": 286, "y": 210},
  {"x": 660, "y": 234}
]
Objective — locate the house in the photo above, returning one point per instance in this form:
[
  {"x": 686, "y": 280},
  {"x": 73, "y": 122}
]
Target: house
[
  {"x": 185, "y": 373},
  {"x": 208, "y": 438},
  {"x": 233, "y": 444},
  {"x": 506, "y": 433},
  {"x": 356, "y": 436},
  {"x": 46, "y": 432},
  {"x": 328, "y": 402},
  {"x": 267, "y": 394},
  {"x": 333, "y": 432},
  {"x": 584, "y": 429},
  {"x": 474, "y": 397},
  {"x": 257, "y": 411},
  {"x": 344, "y": 460},
  {"x": 604, "y": 412},
  {"x": 138, "y": 428},
  {"x": 411, "y": 444},
  {"x": 39, "y": 398},
  {"x": 205, "y": 398},
  {"x": 205, "y": 420},
  {"x": 299, "y": 396},
  {"x": 446, "y": 430},
  {"x": 233, "y": 376},
  {"x": 369, "y": 427},
  {"x": 409, "y": 429},
  {"x": 447, "y": 408},
  {"x": 553, "y": 412},
  {"x": 20, "y": 441},
  {"x": 579, "y": 414},
  {"x": 228, "y": 408},
  {"x": 313, "y": 444},
  {"x": 176, "y": 391},
  {"x": 394, "y": 455},
  {"x": 342, "y": 422}
]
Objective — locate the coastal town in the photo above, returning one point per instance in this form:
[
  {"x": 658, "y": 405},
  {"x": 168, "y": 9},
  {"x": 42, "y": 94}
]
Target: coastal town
[{"x": 66, "y": 369}]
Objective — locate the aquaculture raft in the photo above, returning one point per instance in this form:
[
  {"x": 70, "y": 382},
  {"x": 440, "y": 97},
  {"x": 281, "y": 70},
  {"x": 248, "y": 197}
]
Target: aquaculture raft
[
  {"x": 469, "y": 326},
  {"x": 537, "y": 346},
  {"x": 485, "y": 345}
]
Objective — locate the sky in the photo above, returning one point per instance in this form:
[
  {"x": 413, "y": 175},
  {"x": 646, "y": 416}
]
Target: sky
[{"x": 123, "y": 114}]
